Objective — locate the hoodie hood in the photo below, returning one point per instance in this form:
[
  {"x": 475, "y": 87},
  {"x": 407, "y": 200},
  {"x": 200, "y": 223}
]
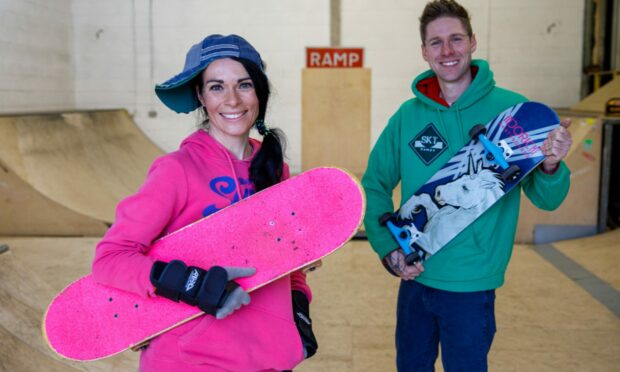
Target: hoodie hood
[
  {"x": 213, "y": 155},
  {"x": 209, "y": 147},
  {"x": 481, "y": 85}
]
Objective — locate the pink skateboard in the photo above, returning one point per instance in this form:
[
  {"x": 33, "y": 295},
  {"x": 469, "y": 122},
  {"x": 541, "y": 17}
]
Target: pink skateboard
[{"x": 284, "y": 228}]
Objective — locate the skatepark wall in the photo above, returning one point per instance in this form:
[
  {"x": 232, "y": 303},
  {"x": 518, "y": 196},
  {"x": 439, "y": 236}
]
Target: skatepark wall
[
  {"x": 36, "y": 68},
  {"x": 66, "y": 55}
]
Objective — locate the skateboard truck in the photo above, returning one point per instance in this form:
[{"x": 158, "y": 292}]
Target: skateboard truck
[
  {"x": 404, "y": 238},
  {"x": 496, "y": 153},
  {"x": 311, "y": 267},
  {"x": 139, "y": 346}
]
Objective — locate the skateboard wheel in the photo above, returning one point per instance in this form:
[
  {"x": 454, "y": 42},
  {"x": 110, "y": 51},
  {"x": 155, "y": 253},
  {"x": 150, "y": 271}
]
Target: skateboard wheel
[
  {"x": 511, "y": 173},
  {"x": 477, "y": 130},
  {"x": 313, "y": 266},
  {"x": 412, "y": 258},
  {"x": 386, "y": 217}
]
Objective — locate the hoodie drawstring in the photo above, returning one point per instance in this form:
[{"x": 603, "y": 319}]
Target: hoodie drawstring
[
  {"x": 459, "y": 120},
  {"x": 443, "y": 125},
  {"x": 236, "y": 179}
]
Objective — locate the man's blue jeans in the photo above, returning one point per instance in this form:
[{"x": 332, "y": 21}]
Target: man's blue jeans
[{"x": 462, "y": 322}]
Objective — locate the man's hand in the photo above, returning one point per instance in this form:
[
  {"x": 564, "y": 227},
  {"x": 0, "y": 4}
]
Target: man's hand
[
  {"x": 396, "y": 262},
  {"x": 556, "y": 146}
]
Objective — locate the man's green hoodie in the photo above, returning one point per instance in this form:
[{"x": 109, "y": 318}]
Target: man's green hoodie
[{"x": 477, "y": 258}]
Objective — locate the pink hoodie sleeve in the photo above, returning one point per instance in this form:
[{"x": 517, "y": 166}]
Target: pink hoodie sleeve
[
  {"x": 298, "y": 283},
  {"x": 120, "y": 259}
]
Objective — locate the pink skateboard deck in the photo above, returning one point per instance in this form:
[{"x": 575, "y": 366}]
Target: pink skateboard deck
[{"x": 279, "y": 230}]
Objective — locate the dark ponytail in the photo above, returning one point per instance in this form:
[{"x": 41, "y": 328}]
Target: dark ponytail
[{"x": 268, "y": 164}]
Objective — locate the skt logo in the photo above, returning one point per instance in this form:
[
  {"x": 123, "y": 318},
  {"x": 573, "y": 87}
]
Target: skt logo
[
  {"x": 429, "y": 141},
  {"x": 429, "y": 144}
]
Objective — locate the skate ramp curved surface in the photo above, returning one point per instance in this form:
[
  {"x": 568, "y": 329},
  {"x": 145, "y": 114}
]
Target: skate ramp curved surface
[
  {"x": 84, "y": 162},
  {"x": 33, "y": 271},
  {"x": 596, "y": 101}
]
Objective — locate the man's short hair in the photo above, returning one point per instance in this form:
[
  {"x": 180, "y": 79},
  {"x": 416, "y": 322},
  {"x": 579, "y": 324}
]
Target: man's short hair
[{"x": 444, "y": 8}]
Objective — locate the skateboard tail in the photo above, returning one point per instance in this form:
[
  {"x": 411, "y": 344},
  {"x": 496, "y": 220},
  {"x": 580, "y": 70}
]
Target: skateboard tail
[
  {"x": 70, "y": 317},
  {"x": 278, "y": 231}
]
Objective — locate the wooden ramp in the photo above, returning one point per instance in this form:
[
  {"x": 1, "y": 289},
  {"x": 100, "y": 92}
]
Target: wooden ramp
[
  {"x": 31, "y": 273},
  {"x": 577, "y": 216},
  {"x": 64, "y": 173},
  {"x": 596, "y": 101}
]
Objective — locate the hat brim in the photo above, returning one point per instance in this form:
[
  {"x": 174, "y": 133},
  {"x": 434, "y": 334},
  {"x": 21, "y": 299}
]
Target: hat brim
[{"x": 178, "y": 94}]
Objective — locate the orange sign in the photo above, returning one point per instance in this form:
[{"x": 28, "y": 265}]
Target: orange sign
[{"x": 334, "y": 57}]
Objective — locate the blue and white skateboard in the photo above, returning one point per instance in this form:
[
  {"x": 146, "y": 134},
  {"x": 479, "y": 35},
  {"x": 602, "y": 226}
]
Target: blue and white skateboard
[{"x": 498, "y": 156}]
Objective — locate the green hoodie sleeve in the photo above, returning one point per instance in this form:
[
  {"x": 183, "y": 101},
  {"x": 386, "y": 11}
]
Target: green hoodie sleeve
[
  {"x": 547, "y": 191},
  {"x": 381, "y": 177}
]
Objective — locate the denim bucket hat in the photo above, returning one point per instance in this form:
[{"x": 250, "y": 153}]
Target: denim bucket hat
[{"x": 177, "y": 94}]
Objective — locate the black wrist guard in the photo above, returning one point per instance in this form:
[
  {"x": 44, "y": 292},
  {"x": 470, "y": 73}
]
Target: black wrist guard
[
  {"x": 301, "y": 314},
  {"x": 206, "y": 289}
]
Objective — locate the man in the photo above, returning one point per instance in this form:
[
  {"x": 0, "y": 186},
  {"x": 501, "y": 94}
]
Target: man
[{"x": 450, "y": 299}]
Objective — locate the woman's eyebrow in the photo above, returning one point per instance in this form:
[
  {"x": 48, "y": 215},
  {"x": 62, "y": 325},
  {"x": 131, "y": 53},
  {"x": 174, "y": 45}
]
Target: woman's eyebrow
[{"x": 222, "y": 81}]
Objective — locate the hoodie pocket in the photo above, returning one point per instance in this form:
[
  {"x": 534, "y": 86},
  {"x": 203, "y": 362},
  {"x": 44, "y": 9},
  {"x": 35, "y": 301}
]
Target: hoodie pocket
[{"x": 256, "y": 337}]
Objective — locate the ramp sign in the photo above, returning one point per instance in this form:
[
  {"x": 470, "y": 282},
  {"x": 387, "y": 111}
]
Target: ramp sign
[{"x": 334, "y": 57}]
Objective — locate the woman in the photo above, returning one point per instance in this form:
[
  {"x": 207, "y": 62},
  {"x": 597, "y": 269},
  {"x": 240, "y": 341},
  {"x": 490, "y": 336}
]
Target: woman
[{"x": 214, "y": 167}]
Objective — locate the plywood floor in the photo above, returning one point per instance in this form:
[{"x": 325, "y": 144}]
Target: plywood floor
[{"x": 547, "y": 318}]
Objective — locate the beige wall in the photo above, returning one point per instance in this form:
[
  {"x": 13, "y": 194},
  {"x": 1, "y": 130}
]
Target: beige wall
[
  {"x": 36, "y": 71},
  {"x": 86, "y": 54}
]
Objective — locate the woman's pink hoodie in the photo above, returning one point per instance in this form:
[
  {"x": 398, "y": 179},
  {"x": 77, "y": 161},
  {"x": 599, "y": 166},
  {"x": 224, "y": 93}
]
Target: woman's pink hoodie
[{"x": 182, "y": 187}]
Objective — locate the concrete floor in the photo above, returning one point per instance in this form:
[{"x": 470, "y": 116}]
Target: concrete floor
[{"x": 558, "y": 311}]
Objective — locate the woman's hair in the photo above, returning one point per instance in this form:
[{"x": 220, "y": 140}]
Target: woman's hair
[{"x": 268, "y": 164}]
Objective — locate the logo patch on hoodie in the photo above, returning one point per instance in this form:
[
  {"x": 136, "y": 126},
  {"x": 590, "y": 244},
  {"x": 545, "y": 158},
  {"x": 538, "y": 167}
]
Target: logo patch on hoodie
[{"x": 428, "y": 144}]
